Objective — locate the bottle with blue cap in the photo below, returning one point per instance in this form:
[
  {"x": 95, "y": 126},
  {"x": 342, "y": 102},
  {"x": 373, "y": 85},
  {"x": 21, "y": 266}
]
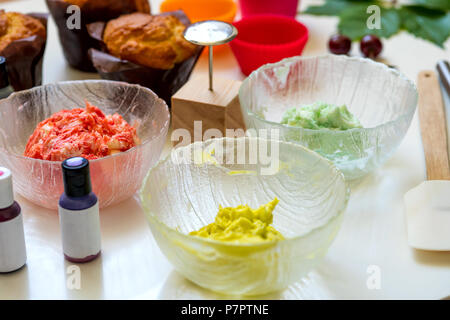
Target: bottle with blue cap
[
  {"x": 13, "y": 254},
  {"x": 79, "y": 213}
]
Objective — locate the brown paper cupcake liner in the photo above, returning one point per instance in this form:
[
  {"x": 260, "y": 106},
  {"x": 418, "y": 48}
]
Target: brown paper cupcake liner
[
  {"x": 163, "y": 82},
  {"x": 24, "y": 58},
  {"x": 77, "y": 42}
]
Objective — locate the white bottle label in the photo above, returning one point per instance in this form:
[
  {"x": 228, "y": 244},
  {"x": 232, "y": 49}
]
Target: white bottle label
[
  {"x": 80, "y": 230},
  {"x": 13, "y": 253}
]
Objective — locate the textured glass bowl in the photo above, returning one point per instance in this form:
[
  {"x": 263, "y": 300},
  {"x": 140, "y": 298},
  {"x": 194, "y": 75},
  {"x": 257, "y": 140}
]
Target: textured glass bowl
[
  {"x": 114, "y": 178},
  {"x": 181, "y": 197},
  {"x": 380, "y": 97}
]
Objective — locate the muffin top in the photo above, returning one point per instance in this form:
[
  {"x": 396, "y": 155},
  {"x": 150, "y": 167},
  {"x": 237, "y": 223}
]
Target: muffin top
[
  {"x": 16, "y": 26},
  {"x": 152, "y": 41},
  {"x": 126, "y": 5}
]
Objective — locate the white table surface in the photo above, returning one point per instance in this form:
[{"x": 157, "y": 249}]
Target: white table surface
[{"x": 373, "y": 231}]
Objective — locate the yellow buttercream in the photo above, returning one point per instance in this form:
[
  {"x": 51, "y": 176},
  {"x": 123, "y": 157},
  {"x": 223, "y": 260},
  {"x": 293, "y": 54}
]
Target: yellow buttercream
[{"x": 242, "y": 224}]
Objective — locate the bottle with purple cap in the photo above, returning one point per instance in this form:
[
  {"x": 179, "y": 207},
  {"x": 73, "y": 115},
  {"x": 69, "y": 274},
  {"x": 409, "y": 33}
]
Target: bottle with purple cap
[
  {"x": 79, "y": 213},
  {"x": 13, "y": 254}
]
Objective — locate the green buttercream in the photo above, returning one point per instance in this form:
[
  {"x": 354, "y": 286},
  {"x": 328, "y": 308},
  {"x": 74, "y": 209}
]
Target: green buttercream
[{"x": 321, "y": 115}]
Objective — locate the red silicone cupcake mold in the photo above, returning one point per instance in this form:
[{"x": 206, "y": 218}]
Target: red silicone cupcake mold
[
  {"x": 266, "y": 39},
  {"x": 282, "y": 7}
]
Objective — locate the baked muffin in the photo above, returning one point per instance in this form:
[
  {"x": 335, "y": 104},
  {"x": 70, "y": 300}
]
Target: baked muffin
[
  {"x": 152, "y": 41},
  {"x": 113, "y": 5},
  {"x": 15, "y": 26},
  {"x": 76, "y": 42}
]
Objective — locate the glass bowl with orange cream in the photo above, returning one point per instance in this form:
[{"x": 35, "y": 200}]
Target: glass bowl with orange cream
[{"x": 128, "y": 130}]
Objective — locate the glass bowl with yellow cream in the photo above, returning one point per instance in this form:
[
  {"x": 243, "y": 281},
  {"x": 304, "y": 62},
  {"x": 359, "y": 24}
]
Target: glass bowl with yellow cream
[
  {"x": 351, "y": 110},
  {"x": 244, "y": 216}
]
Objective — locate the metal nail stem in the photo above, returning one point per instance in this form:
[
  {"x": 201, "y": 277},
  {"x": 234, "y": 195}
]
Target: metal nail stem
[
  {"x": 210, "y": 48},
  {"x": 210, "y": 33}
]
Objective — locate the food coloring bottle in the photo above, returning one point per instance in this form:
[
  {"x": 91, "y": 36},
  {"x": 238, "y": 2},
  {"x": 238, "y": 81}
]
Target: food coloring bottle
[
  {"x": 13, "y": 255},
  {"x": 79, "y": 213},
  {"x": 5, "y": 87}
]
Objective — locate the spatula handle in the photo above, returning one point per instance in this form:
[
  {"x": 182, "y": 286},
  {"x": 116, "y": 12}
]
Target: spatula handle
[{"x": 433, "y": 126}]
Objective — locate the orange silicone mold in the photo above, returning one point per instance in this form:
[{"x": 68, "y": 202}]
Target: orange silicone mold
[{"x": 199, "y": 10}]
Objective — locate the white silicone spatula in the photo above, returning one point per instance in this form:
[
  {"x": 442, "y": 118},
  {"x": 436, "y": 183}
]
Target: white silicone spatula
[{"x": 428, "y": 205}]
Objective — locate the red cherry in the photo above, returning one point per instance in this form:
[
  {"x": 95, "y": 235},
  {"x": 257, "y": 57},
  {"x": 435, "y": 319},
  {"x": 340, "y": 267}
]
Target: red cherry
[
  {"x": 339, "y": 44},
  {"x": 371, "y": 46}
]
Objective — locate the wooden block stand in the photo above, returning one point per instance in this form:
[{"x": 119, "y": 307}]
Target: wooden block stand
[{"x": 219, "y": 109}]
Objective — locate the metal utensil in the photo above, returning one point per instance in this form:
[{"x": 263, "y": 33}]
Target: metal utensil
[
  {"x": 210, "y": 33},
  {"x": 443, "y": 67}
]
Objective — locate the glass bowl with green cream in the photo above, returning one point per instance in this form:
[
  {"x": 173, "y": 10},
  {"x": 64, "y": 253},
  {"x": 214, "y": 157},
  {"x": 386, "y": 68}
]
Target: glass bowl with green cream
[
  {"x": 351, "y": 110},
  {"x": 244, "y": 216}
]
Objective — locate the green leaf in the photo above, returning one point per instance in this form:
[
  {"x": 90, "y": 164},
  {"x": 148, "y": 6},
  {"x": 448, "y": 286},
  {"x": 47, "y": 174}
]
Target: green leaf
[
  {"x": 427, "y": 19},
  {"x": 330, "y": 8},
  {"x": 353, "y": 22},
  {"x": 335, "y": 7},
  {"x": 431, "y": 25},
  {"x": 434, "y": 4}
]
